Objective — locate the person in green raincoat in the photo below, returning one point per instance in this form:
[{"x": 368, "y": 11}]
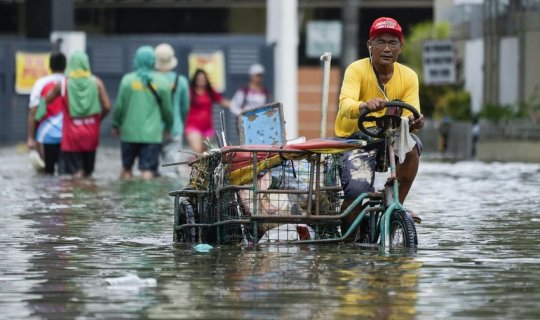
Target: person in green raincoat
[
  {"x": 86, "y": 103},
  {"x": 142, "y": 115}
]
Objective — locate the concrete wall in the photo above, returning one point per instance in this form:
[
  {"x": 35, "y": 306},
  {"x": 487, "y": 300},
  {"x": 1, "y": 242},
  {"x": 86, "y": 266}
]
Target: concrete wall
[
  {"x": 530, "y": 66},
  {"x": 509, "y": 151},
  {"x": 309, "y": 101},
  {"x": 459, "y": 140},
  {"x": 525, "y": 26}
]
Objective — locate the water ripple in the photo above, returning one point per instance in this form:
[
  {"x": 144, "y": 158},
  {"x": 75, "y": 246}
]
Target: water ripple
[{"x": 60, "y": 239}]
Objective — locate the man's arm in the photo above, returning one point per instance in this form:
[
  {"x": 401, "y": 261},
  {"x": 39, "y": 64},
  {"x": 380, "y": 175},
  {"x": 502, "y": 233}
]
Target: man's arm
[
  {"x": 31, "y": 141},
  {"x": 235, "y": 106},
  {"x": 118, "y": 108},
  {"x": 166, "y": 108},
  {"x": 183, "y": 86},
  {"x": 33, "y": 103},
  {"x": 412, "y": 97},
  {"x": 53, "y": 93},
  {"x": 103, "y": 98},
  {"x": 349, "y": 104}
]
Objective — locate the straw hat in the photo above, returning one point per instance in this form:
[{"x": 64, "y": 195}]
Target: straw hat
[{"x": 165, "y": 59}]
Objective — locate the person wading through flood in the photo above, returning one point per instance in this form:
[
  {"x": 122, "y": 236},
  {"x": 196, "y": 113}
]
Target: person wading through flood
[
  {"x": 166, "y": 62},
  {"x": 86, "y": 103},
  {"x": 252, "y": 95},
  {"x": 199, "y": 124},
  {"x": 142, "y": 115},
  {"x": 47, "y": 117}
]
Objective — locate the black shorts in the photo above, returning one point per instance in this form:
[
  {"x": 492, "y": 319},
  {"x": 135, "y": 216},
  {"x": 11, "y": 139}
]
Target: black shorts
[
  {"x": 73, "y": 162},
  {"x": 52, "y": 157},
  {"x": 357, "y": 171},
  {"x": 148, "y": 154}
]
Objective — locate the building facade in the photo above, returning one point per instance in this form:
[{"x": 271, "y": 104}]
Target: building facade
[{"x": 33, "y": 20}]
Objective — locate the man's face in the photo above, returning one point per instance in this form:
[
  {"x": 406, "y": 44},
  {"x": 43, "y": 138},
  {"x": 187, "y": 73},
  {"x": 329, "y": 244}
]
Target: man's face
[{"x": 385, "y": 49}]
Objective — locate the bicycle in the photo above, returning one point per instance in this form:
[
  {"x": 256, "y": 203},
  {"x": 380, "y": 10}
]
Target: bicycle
[{"x": 216, "y": 212}]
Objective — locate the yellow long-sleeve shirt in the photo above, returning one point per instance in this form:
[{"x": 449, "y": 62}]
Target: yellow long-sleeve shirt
[{"x": 360, "y": 85}]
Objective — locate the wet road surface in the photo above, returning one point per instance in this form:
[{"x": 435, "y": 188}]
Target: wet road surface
[{"x": 102, "y": 248}]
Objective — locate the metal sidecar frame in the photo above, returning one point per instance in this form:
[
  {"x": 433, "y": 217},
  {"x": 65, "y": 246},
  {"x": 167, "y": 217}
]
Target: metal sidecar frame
[{"x": 258, "y": 194}]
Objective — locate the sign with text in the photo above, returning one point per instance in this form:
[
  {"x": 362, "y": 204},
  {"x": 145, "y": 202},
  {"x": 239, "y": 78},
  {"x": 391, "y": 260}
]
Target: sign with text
[
  {"x": 213, "y": 64},
  {"x": 439, "y": 64},
  {"x": 323, "y": 36},
  {"x": 28, "y": 68}
]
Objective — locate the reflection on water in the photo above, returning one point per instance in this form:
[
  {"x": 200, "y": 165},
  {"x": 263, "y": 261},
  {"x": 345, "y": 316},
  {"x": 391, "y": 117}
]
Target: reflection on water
[{"x": 62, "y": 241}]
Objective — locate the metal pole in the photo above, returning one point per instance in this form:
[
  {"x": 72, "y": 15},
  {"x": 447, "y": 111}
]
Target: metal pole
[
  {"x": 282, "y": 31},
  {"x": 327, "y": 59},
  {"x": 351, "y": 21},
  {"x": 223, "y": 129}
]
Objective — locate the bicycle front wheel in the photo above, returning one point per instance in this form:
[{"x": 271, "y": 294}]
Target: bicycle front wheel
[{"x": 402, "y": 231}]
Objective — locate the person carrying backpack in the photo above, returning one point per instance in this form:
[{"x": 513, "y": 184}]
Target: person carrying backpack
[
  {"x": 85, "y": 103},
  {"x": 142, "y": 115},
  {"x": 252, "y": 95}
]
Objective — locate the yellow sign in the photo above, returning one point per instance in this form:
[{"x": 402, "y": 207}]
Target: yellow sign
[
  {"x": 29, "y": 68},
  {"x": 214, "y": 65}
]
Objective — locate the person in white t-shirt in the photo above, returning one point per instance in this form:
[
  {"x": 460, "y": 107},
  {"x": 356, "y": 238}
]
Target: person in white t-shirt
[
  {"x": 252, "y": 95},
  {"x": 47, "y": 118}
]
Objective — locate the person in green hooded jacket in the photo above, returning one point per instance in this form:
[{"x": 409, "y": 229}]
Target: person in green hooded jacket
[
  {"x": 142, "y": 115},
  {"x": 86, "y": 103}
]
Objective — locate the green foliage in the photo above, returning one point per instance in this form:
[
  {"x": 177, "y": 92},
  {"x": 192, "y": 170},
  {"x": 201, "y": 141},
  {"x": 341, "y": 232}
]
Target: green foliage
[
  {"x": 454, "y": 103},
  {"x": 413, "y": 44},
  {"x": 529, "y": 109},
  {"x": 495, "y": 112},
  {"x": 450, "y": 101},
  {"x": 431, "y": 97},
  {"x": 428, "y": 98}
]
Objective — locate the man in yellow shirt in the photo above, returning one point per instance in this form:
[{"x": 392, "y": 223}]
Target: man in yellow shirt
[{"x": 367, "y": 84}]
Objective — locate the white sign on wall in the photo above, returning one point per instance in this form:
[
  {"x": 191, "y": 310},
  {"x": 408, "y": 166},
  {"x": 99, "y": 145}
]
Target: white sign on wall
[
  {"x": 323, "y": 36},
  {"x": 439, "y": 65},
  {"x": 69, "y": 42}
]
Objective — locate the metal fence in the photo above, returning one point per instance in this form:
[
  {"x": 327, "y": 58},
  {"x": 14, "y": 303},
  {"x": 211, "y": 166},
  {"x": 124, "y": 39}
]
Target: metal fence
[
  {"x": 514, "y": 130},
  {"x": 460, "y": 136}
]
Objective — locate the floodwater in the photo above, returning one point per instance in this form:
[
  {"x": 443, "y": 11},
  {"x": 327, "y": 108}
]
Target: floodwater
[{"x": 102, "y": 248}]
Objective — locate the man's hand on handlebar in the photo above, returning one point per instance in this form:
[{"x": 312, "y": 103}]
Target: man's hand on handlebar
[
  {"x": 372, "y": 105},
  {"x": 416, "y": 123}
]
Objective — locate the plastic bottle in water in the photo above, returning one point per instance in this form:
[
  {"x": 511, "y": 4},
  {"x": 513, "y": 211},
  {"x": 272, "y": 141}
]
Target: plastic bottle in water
[{"x": 131, "y": 280}]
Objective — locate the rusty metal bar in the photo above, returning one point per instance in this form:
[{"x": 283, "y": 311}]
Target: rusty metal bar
[
  {"x": 310, "y": 187},
  {"x": 207, "y": 225},
  {"x": 254, "y": 186},
  {"x": 276, "y": 218},
  {"x": 318, "y": 184},
  {"x": 183, "y": 192},
  {"x": 249, "y": 187}
]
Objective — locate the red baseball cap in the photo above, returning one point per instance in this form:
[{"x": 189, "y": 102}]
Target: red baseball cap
[{"x": 385, "y": 25}]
